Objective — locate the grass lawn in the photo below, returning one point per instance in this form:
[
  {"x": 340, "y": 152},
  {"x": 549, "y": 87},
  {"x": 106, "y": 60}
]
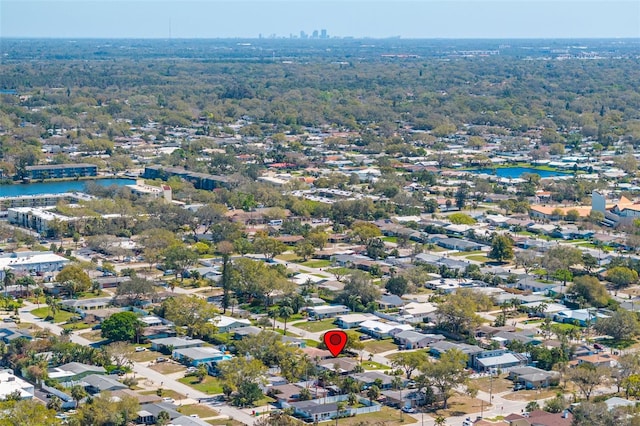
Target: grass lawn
[
  {"x": 227, "y": 422},
  {"x": 60, "y": 316},
  {"x": 76, "y": 326},
  {"x": 378, "y": 346},
  {"x": 372, "y": 365},
  {"x": 618, "y": 344},
  {"x": 210, "y": 385},
  {"x": 479, "y": 258},
  {"x": 564, "y": 327},
  {"x": 498, "y": 384},
  {"x": 390, "y": 239},
  {"x": 466, "y": 253},
  {"x": 530, "y": 395},
  {"x": 201, "y": 410},
  {"x": 288, "y": 257},
  {"x": 459, "y": 405},
  {"x": 167, "y": 367},
  {"x": 386, "y": 415},
  {"x": 316, "y": 326},
  {"x": 312, "y": 343},
  {"x": 94, "y": 335},
  {"x": 166, "y": 393},
  {"x": 145, "y": 356},
  {"x": 322, "y": 263}
]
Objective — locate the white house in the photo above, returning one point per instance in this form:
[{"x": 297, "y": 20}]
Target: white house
[
  {"x": 9, "y": 384},
  {"x": 382, "y": 330},
  {"x": 226, "y": 324}
]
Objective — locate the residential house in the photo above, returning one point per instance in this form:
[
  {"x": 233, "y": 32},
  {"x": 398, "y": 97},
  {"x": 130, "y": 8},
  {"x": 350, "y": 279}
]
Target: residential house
[
  {"x": 194, "y": 356},
  {"x": 353, "y": 320},
  {"x": 458, "y": 244},
  {"x": 597, "y": 360},
  {"x": 339, "y": 365},
  {"x": 96, "y": 383},
  {"x": 8, "y": 334},
  {"x": 389, "y": 301},
  {"x": 408, "y": 398},
  {"x": 438, "y": 348},
  {"x": 533, "y": 377},
  {"x": 498, "y": 360},
  {"x": 173, "y": 343},
  {"x": 581, "y": 317},
  {"x": 541, "y": 418},
  {"x": 148, "y": 414},
  {"x": 382, "y": 330},
  {"x": 417, "y": 312},
  {"x": 318, "y": 410},
  {"x": 74, "y": 371},
  {"x": 327, "y": 311},
  {"x": 370, "y": 378},
  {"x": 225, "y": 324},
  {"x": 411, "y": 339},
  {"x": 283, "y": 393},
  {"x": 10, "y": 383}
]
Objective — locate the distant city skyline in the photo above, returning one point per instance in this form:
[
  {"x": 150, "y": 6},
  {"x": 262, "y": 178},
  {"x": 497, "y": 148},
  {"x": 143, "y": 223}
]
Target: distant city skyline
[{"x": 349, "y": 18}]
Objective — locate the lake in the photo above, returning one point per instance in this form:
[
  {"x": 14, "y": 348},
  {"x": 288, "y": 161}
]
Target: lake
[
  {"x": 56, "y": 187},
  {"x": 516, "y": 172}
]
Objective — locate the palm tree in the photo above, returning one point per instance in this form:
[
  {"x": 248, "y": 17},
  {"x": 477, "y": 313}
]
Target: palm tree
[
  {"x": 354, "y": 301},
  {"x": 77, "y": 393},
  {"x": 9, "y": 277},
  {"x": 233, "y": 302},
  {"x": 373, "y": 393},
  {"x": 285, "y": 314},
  {"x": 440, "y": 421},
  {"x": 54, "y": 404},
  {"x": 273, "y": 313},
  {"x": 339, "y": 410},
  {"x": 396, "y": 383}
]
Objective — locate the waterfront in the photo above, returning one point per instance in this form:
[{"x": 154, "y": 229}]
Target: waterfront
[
  {"x": 516, "y": 172},
  {"x": 37, "y": 188}
]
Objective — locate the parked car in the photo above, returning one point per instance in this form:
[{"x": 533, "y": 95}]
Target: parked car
[
  {"x": 168, "y": 399},
  {"x": 140, "y": 349},
  {"x": 519, "y": 386},
  {"x": 161, "y": 359},
  {"x": 408, "y": 410}
]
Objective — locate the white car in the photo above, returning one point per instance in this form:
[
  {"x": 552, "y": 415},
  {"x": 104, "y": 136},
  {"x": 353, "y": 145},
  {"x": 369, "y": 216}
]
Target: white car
[
  {"x": 140, "y": 349},
  {"x": 168, "y": 399}
]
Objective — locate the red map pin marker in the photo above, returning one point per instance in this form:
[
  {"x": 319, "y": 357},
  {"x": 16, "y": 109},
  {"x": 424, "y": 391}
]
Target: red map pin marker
[{"x": 335, "y": 341}]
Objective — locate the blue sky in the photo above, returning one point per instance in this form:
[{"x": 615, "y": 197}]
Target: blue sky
[{"x": 357, "y": 18}]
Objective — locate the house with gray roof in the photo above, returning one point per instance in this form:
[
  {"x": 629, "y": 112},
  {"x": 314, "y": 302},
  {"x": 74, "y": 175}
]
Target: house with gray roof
[
  {"x": 73, "y": 371},
  {"x": 175, "y": 343},
  {"x": 96, "y": 383},
  {"x": 410, "y": 339}
]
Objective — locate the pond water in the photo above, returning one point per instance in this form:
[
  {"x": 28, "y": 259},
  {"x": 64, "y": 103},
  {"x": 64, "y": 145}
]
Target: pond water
[
  {"x": 516, "y": 172},
  {"x": 37, "y": 188}
]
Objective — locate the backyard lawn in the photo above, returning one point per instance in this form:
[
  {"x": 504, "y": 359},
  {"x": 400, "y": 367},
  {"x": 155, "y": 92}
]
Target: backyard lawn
[
  {"x": 60, "y": 316},
  {"x": 316, "y": 263},
  {"x": 210, "y": 385},
  {"x": 372, "y": 365},
  {"x": 386, "y": 415},
  {"x": 201, "y": 410},
  {"x": 316, "y": 326},
  {"x": 378, "y": 346},
  {"x": 459, "y": 405},
  {"x": 167, "y": 367}
]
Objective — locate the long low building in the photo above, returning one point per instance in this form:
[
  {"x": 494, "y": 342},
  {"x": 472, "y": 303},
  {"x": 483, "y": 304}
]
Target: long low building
[
  {"x": 59, "y": 171},
  {"x": 31, "y": 261}
]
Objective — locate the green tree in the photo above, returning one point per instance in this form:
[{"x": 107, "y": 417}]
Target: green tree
[
  {"x": 621, "y": 276},
  {"x": 27, "y": 412},
  {"x": 359, "y": 284},
  {"x": 180, "y": 259},
  {"x": 191, "y": 312},
  {"x": 501, "y": 248},
  {"x": 121, "y": 326},
  {"x": 589, "y": 289},
  {"x": 163, "y": 418},
  {"x": 461, "y": 219},
  {"x": 75, "y": 274},
  {"x": 587, "y": 377},
  {"x": 621, "y": 325},
  {"x": 448, "y": 373},
  {"x": 285, "y": 313},
  {"x": 397, "y": 285},
  {"x": 201, "y": 372},
  {"x": 77, "y": 393},
  {"x": 304, "y": 249},
  {"x": 373, "y": 392},
  {"x": 409, "y": 361}
]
